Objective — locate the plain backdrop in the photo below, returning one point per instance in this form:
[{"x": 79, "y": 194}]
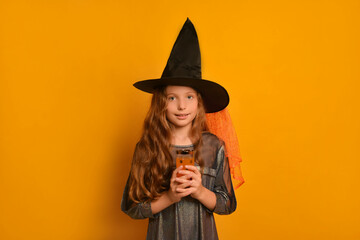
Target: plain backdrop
[{"x": 70, "y": 117}]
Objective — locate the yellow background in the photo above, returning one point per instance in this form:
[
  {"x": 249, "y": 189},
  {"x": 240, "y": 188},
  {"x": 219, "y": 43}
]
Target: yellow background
[{"x": 70, "y": 117}]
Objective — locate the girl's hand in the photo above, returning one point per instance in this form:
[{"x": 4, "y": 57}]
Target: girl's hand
[
  {"x": 178, "y": 189},
  {"x": 193, "y": 180}
]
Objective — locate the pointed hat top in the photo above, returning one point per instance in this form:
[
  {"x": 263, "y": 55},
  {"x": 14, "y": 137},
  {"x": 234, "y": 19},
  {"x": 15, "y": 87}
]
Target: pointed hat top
[
  {"x": 183, "y": 68},
  {"x": 185, "y": 58}
]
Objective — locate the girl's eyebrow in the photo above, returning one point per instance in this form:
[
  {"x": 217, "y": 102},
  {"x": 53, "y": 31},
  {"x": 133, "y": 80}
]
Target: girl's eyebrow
[{"x": 176, "y": 94}]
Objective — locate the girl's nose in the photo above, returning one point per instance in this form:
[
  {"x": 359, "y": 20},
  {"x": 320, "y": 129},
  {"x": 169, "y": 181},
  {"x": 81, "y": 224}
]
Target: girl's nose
[{"x": 181, "y": 105}]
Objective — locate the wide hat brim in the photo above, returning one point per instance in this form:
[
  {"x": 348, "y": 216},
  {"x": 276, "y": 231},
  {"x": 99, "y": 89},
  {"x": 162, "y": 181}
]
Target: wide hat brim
[{"x": 215, "y": 97}]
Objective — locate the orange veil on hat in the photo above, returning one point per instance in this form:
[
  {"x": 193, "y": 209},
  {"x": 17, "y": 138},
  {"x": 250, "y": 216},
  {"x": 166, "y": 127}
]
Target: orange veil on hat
[{"x": 220, "y": 124}]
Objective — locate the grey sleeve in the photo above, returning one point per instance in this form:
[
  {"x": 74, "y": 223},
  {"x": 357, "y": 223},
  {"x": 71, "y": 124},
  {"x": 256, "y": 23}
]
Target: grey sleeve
[
  {"x": 223, "y": 188},
  {"x": 135, "y": 210}
]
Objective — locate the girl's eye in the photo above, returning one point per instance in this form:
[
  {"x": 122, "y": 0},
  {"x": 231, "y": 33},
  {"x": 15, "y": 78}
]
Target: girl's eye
[
  {"x": 190, "y": 97},
  {"x": 171, "y": 98}
]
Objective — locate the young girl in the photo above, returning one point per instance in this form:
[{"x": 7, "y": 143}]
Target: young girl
[{"x": 180, "y": 206}]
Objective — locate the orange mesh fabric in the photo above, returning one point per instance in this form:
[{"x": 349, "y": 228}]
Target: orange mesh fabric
[{"x": 220, "y": 124}]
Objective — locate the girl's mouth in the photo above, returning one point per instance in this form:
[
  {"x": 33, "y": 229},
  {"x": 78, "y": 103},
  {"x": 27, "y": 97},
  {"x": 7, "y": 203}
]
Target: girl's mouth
[{"x": 182, "y": 116}]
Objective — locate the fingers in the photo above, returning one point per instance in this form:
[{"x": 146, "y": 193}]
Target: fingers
[
  {"x": 189, "y": 174},
  {"x": 184, "y": 193},
  {"x": 185, "y": 184},
  {"x": 173, "y": 176},
  {"x": 188, "y": 183},
  {"x": 176, "y": 171},
  {"x": 193, "y": 169},
  {"x": 183, "y": 190},
  {"x": 182, "y": 179}
]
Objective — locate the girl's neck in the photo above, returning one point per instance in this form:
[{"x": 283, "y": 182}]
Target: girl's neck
[{"x": 181, "y": 136}]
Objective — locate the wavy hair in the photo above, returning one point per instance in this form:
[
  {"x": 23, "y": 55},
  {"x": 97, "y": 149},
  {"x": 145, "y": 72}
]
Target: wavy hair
[{"x": 152, "y": 163}]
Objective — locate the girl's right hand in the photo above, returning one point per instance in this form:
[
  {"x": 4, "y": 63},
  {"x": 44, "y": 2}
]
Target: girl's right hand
[{"x": 173, "y": 193}]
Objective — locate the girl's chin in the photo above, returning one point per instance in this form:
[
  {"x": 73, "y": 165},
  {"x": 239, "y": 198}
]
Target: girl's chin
[{"x": 181, "y": 124}]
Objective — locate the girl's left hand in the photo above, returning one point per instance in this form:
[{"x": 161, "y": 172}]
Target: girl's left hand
[{"x": 192, "y": 173}]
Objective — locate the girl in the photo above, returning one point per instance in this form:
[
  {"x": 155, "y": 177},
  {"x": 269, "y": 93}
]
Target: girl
[{"x": 180, "y": 206}]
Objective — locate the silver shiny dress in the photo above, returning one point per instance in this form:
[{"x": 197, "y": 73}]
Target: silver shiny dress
[{"x": 189, "y": 219}]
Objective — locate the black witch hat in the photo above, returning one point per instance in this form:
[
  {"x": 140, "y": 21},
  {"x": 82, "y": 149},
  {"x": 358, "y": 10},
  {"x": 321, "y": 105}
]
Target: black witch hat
[{"x": 184, "y": 69}]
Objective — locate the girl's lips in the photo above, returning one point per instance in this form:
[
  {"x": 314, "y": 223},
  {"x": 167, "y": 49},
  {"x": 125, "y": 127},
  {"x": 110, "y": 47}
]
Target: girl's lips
[{"x": 182, "y": 116}]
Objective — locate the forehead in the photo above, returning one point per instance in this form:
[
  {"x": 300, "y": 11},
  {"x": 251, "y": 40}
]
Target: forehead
[{"x": 179, "y": 89}]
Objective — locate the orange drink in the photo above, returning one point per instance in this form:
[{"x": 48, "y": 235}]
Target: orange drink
[{"x": 184, "y": 157}]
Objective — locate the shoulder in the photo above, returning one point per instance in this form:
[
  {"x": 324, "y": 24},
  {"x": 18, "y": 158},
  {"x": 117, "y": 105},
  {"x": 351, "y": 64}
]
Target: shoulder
[
  {"x": 209, "y": 135},
  {"x": 212, "y": 150},
  {"x": 211, "y": 139}
]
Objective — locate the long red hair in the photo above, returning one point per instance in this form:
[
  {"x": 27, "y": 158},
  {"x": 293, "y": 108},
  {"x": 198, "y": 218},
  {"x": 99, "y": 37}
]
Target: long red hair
[{"x": 152, "y": 164}]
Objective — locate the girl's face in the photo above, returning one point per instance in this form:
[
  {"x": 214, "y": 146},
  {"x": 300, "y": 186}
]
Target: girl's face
[{"x": 182, "y": 105}]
